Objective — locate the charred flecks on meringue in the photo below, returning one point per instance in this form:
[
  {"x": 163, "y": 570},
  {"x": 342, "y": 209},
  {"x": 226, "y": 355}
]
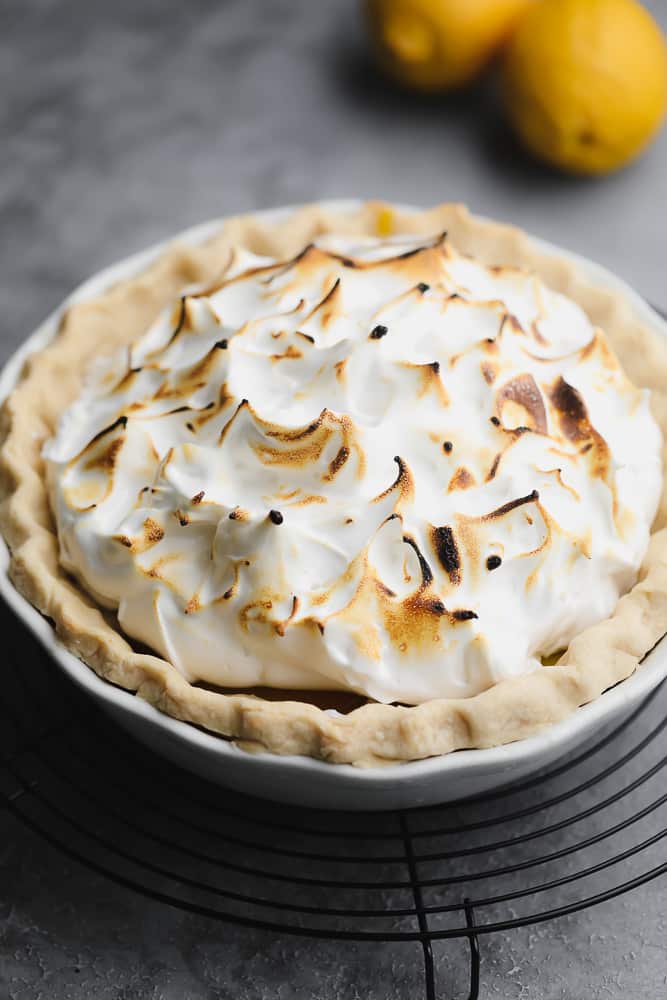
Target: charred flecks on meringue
[
  {"x": 447, "y": 552},
  {"x": 271, "y": 490}
]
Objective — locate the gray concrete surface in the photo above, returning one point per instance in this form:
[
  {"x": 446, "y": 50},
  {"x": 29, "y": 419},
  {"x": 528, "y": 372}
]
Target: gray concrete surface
[{"x": 123, "y": 122}]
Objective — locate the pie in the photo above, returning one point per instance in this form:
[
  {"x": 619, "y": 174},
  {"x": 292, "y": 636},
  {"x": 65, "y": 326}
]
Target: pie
[{"x": 368, "y": 486}]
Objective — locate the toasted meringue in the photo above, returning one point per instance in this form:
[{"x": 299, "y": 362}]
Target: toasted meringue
[{"x": 380, "y": 467}]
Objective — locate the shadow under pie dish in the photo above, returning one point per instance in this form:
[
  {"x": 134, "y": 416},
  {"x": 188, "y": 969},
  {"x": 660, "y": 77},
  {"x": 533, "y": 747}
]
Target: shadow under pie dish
[{"x": 386, "y": 463}]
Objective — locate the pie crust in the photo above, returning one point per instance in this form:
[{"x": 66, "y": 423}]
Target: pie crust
[{"x": 372, "y": 734}]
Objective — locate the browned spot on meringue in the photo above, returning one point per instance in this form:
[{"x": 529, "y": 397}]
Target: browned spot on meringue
[
  {"x": 425, "y": 569},
  {"x": 494, "y": 467},
  {"x": 384, "y": 589},
  {"x": 523, "y": 391},
  {"x": 177, "y": 320},
  {"x": 124, "y": 540},
  {"x": 197, "y": 498},
  {"x": 238, "y": 514},
  {"x": 106, "y": 458},
  {"x": 291, "y": 354},
  {"x": 423, "y": 264},
  {"x": 126, "y": 380},
  {"x": 329, "y": 307},
  {"x": 215, "y": 407},
  {"x": 489, "y": 372},
  {"x": 304, "y": 445},
  {"x": 339, "y": 368},
  {"x": 121, "y": 422},
  {"x": 152, "y": 531},
  {"x": 429, "y": 379},
  {"x": 308, "y": 499},
  {"x": 511, "y": 505},
  {"x": 414, "y": 622},
  {"x": 281, "y": 627},
  {"x": 446, "y": 549},
  {"x": 411, "y": 623},
  {"x": 98, "y": 459},
  {"x": 182, "y": 321},
  {"x": 182, "y": 518},
  {"x": 192, "y": 605},
  {"x": 262, "y": 610},
  {"x": 196, "y": 377},
  {"x": 431, "y": 382},
  {"x": 461, "y": 480},
  {"x": 511, "y": 321},
  {"x": 337, "y": 463},
  {"x": 271, "y": 271},
  {"x": 576, "y": 427},
  {"x": 306, "y": 261},
  {"x": 403, "y": 484},
  {"x": 463, "y": 615},
  {"x": 187, "y": 322},
  {"x": 177, "y": 409},
  {"x": 230, "y": 591},
  {"x": 155, "y": 571}
]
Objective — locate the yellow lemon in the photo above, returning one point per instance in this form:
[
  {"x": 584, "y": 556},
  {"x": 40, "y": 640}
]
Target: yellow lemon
[
  {"x": 440, "y": 44},
  {"x": 585, "y": 82}
]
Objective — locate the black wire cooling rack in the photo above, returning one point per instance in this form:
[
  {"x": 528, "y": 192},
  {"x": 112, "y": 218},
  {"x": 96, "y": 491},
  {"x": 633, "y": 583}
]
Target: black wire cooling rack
[{"x": 587, "y": 830}]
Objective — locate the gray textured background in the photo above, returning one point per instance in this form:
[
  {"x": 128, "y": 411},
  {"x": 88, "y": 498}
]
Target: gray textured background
[{"x": 123, "y": 122}]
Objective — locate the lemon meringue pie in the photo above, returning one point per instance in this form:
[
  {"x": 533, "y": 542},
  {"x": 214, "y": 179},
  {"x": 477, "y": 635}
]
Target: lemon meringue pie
[{"x": 412, "y": 469}]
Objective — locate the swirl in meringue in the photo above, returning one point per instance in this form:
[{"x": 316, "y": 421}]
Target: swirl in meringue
[{"x": 380, "y": 467}]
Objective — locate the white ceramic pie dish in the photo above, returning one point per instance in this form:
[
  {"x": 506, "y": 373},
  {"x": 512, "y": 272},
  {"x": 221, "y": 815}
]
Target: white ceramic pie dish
[{"x": 303, "y": 780}]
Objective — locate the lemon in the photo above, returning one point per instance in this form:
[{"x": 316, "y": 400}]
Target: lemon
[
  {"x": 440, "y": 44},
  {"x": 585, "y": 82},
  {"x": 384, "y": 223}
]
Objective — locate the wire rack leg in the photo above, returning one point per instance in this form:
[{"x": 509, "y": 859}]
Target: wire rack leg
[
  {"x": 474, "y": 952},
  {"x": 422, "y": 917},
  {"x": 429, "y": 967},
  {"x": 429, "y": 970}
]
